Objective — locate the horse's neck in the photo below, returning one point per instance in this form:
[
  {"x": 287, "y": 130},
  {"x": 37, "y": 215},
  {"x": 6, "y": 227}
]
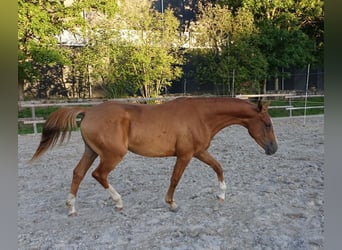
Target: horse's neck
[{"x": 221, "y": 115}]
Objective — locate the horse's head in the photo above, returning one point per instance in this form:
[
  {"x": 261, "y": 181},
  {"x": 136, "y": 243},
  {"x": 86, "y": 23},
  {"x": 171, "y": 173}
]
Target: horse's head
[{"x": 260, "y": 128}]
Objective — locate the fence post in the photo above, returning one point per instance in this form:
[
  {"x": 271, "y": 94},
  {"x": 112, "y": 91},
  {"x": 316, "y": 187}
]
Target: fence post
[
  {"x": 306, "y": 92},
  {"x": 290, "y": 104},
  {"x": 33, "y": 112}
]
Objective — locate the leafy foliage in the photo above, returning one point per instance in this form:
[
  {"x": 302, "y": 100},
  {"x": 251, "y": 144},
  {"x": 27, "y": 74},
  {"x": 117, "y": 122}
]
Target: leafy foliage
[
  {"x": 131, "y": 48},
  {"x": 255, "y": 41},
  {"x": 148, "y": 60},
  {"x": 229, "y": 48}
]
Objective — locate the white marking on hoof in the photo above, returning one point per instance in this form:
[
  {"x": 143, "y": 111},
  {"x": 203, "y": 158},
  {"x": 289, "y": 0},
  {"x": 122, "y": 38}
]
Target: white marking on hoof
[
  {"x": 118, "y": 208},
  {"x": 173, "y": 206},
  {"x": 116, "y": 197},
  {"x": 72, "y": 214},
  {"x": 222, "y": 192},
  {"x": 71, "y": 204}
]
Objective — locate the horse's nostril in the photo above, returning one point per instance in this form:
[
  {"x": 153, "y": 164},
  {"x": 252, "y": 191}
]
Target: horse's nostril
[{"x": 271, "y": 149}]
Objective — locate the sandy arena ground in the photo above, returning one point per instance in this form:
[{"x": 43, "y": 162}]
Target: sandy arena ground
[{"x": 272, "y": 202}]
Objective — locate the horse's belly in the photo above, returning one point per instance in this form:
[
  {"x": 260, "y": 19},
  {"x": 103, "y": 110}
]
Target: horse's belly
[
  {"x": 153, "y": 149},
  {"x": 152, "y": 146}
]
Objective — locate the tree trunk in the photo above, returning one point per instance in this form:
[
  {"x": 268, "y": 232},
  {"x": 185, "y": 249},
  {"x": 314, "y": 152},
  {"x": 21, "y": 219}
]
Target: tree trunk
[
  {"x": 276, "y": 84},
  {"x": 145, "y": 93},
  {"x": 264, "y": 90},
  {"x": 21, "y": 84}
]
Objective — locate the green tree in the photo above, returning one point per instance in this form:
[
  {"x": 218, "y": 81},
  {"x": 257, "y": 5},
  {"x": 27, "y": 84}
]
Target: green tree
[
  {"x": 284, "y": 49},
  {"x": 203, "y": 67},
  {"x": 147, "y": 59},
  {"x": 279, "y": 34},
  {"x": 95, "y": 26},
  {"x": 214, "y": 26},
  {"x": 291, "y": 33},
  {"x": 228, "y": 55},
  {"x": 38, "y": 23},
  {"x": 243, "y": 67},
  {"x": 212, "y": 31}
]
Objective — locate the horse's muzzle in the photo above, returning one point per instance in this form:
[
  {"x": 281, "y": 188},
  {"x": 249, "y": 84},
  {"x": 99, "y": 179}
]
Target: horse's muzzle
[{"x": 271, "y": 148}]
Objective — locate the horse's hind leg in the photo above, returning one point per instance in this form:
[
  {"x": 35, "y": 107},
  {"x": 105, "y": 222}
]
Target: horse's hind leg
[
  {"x": 107, "y": 164},
  {"x": 208, "y": 159},
  {"x": 79, "y": 172}
]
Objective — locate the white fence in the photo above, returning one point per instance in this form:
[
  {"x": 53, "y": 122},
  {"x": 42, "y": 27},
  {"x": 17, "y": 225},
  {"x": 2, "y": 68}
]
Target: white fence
[
  {"x": 34, "y": 120},
  {"x": 289, "y": 97}
]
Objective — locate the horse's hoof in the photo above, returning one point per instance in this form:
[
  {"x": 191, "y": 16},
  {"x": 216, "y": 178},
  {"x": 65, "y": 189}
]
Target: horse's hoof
[
  {"x": 72, "y": 214},
  {"x": 220, "y": 199},
  {"x": 174, "y": 210},
  {"x": 174, "y": 207},
  {"x": 118, "y": 209}
]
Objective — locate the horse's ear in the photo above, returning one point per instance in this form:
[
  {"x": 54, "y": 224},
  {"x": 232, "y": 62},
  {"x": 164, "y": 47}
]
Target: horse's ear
[
  {"x": 259, "y": 105},
  {"x": 262, "y": 107}
]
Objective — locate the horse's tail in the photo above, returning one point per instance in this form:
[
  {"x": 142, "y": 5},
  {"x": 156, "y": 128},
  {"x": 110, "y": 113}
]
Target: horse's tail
[{"x": 57, "y": 126}]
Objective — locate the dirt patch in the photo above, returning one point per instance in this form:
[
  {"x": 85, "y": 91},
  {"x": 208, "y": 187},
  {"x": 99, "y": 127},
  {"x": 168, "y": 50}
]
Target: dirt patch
[{"x": 272, "y": 202}]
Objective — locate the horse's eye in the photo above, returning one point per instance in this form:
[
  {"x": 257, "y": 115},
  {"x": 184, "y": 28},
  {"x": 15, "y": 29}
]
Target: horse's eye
[{"x": 268, "y": 125}]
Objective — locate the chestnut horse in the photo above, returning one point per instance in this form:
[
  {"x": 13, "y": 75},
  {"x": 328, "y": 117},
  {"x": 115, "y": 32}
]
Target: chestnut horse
[{"x": 182, "y": 128}]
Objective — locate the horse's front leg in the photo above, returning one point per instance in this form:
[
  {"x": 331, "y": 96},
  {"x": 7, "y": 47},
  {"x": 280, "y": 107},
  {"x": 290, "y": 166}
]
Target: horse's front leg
[
  {"x": 178, "y": 171},
  {"x": 208, "y": 159}
]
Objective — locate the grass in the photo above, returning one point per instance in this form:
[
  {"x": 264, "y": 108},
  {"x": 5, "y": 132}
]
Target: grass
[
  {"x": 27, "y": 113},
  {"x": 297, "y": 102},
  {"x": 44, "y": 112}
]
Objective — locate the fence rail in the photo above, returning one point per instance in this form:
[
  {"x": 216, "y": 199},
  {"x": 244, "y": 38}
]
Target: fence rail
[{"x": 38, "y": 104}]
